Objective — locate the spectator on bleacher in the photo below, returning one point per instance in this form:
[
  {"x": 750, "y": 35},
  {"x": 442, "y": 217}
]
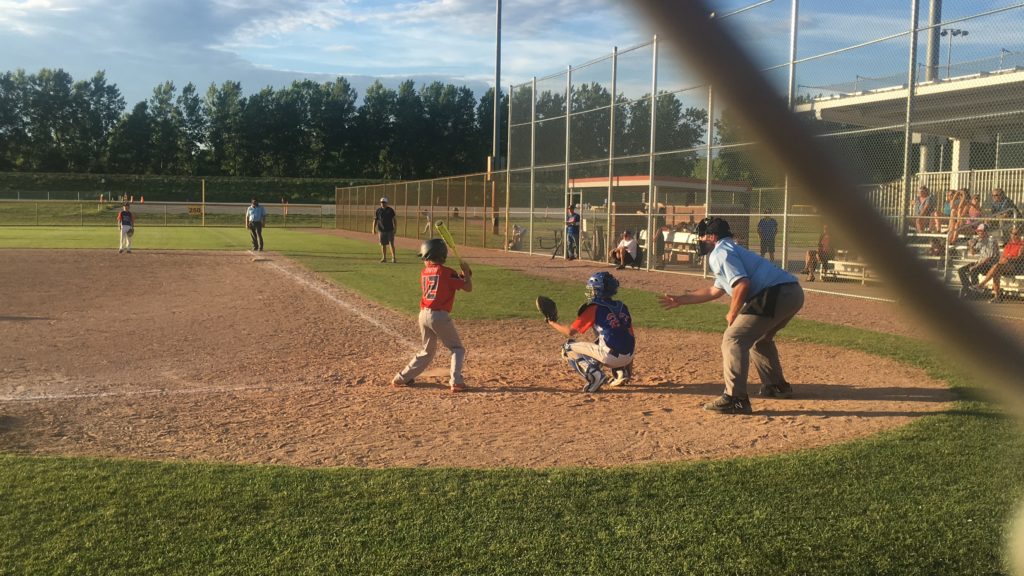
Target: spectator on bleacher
[
  {"x": 986, "y": 248},
  {"x": 969, "y": 215},
  {"x": 923, "y": 210},
  {"x": 947, "y": 206},
  {"x": 819, "y": 257},
  {"x": 956, "y": 199},
  {"x": 1011, "y": 263},
  {"x": 767, "y": 228},
  {"x": 1001, "y": 209},
  {"x": 625, "y": 253}
]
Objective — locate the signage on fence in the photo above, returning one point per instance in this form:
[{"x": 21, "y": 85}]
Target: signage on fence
[{"x": 195, "y": 210}]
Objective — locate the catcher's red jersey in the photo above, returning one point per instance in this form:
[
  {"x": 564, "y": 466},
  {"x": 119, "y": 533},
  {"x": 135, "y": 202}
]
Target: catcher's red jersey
[{"x": 439, "y": 284}]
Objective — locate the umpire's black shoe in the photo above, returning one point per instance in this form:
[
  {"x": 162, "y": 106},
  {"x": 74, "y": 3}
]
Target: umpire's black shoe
[
  {"x": 729, "y": 405},
  {"x": 780, "y": 390}
]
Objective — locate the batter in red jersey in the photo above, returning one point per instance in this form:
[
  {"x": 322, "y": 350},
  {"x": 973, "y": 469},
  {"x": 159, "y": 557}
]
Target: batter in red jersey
[{"x": 438, "y": 284}]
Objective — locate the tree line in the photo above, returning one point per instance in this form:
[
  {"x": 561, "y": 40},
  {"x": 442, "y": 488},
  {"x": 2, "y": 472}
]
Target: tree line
[{"x": 50, "y": 122}]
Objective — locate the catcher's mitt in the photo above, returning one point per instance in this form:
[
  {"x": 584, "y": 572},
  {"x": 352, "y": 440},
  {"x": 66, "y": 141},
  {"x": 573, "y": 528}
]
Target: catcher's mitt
[{"x": 548, "y": 308}]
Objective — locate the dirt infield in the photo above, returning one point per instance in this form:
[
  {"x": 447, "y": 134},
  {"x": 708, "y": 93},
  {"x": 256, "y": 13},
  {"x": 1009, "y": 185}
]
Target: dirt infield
[{"x": 223, "y": 357}]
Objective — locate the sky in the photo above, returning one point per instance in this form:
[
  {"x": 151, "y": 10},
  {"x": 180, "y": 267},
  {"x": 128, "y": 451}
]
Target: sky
[{"x": 142, "y": 43}]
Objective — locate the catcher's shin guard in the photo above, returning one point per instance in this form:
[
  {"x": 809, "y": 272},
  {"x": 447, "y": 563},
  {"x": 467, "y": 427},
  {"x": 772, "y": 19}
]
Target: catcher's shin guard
[{"x": 591, "y": 371}]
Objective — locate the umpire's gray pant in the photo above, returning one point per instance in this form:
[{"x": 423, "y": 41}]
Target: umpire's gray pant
[
  {"x": 436, "y": 325},
  {"x": 752, "y": 338}
]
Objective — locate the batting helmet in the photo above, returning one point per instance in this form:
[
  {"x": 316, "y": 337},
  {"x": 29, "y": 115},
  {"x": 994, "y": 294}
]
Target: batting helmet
[
  {"x": 602, "y": 285},
  {"x": 434, "y": 250}
]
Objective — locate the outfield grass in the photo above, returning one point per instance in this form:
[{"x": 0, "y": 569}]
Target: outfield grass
[{"x": 934, "y": 497}]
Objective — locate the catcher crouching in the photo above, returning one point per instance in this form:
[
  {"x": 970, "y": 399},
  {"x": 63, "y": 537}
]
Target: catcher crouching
[{"x": 613, "y": 324}]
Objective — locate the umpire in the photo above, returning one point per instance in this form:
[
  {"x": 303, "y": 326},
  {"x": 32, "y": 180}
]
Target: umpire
[
  {"x": 764, "y": 299},
  {"x": 255, "y": 219}
]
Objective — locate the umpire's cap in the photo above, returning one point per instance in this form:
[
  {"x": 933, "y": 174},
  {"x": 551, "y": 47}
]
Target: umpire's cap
[{"x": 713, "y": 225}]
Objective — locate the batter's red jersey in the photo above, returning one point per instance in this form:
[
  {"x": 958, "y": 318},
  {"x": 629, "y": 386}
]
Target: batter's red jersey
[{"x": 439, "y": 284}]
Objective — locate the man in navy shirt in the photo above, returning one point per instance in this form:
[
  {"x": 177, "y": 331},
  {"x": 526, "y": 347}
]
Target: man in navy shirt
[
  {"x": 764, "y": 299},
  {"x": 572, "y": 234},
  {"x": 767, "y": 228},
  {"x": 384, "y": 222}
]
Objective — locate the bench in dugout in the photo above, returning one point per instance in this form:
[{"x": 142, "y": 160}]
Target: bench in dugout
[
  {"x": 679, "y": 247},
  {"x": 843, "y": 266}
]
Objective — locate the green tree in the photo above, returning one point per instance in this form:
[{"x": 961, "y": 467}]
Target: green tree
[
  {"x": 194, "y": 125},
  {"x": 98, "y": 107},
  {"x": 375, "y": 128},
  {"x": 130, "y": 142},
  {"x": 589, "y": 128},
  {"x": 168, "y": 128},
  {"x": 224, "y": 106},
  {"x": 485, "y": 127},
  {"x": 333, "y": 126},
  {"x": 450, "y": 128},
  {"x": 14, "y": 131},
  {"x": 51, "y": 111}
]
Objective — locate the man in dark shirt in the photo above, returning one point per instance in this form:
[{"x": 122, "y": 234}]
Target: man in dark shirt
[{"x": 384, "y": 223}]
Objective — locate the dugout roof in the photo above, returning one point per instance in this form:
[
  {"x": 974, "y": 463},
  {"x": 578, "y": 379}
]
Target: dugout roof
[{"x": 670, "y": 182}]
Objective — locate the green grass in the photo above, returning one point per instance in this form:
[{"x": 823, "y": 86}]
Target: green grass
[{"x": 934, "y": 497}]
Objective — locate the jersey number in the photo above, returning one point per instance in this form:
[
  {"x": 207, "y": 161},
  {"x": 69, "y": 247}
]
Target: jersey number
[{"x": 429, "y": 285}]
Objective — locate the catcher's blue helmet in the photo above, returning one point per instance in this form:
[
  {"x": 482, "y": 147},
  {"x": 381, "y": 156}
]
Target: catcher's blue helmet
[{"x": 602, "y": 285}]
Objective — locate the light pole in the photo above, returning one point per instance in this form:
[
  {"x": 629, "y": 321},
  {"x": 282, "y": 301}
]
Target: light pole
[
  {"x": 951, "y": 32},
  {"x": 495, "y": 163},
  {"x": 1002, "y": 52}
]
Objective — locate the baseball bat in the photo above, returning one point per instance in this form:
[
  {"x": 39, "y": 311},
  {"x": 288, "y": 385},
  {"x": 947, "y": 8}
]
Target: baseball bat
[{"x": 446, "y": 235}]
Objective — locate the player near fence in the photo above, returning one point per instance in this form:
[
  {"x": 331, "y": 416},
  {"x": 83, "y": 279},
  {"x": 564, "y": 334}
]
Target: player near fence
[
  {"x": 384, "y": 224},
  {"x": 764, "y": 299},
  {"x": 438, "y": 284},
  {"x": 613, "y": 324},
  {"x": 572, "y": 233},
  {"x": 126, "y": 228}
]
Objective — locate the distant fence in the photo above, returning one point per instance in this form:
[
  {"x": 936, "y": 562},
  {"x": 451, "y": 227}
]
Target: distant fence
[{"x": 94, "y": 213}]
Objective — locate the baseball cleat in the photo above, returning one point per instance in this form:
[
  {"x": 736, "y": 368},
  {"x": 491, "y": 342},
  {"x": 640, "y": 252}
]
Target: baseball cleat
[
  {"x": 729, "y": 405},
  {"x": 459, "y": 388},
  {"x": 621, "y": 376},
  {"x": 619, "y": 380},
  {"x": 397, "y": 382},
  {"x": 780, "y": 390}
]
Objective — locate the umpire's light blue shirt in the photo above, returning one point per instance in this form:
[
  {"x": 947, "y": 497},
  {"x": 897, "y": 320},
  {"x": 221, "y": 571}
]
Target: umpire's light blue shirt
[
  {"x": 730, "y": 262},
  {"x": 255, "y": 213}
]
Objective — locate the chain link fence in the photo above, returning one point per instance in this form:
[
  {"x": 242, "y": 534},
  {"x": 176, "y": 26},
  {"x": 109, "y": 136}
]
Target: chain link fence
[{"x": 637, "y": 144}]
